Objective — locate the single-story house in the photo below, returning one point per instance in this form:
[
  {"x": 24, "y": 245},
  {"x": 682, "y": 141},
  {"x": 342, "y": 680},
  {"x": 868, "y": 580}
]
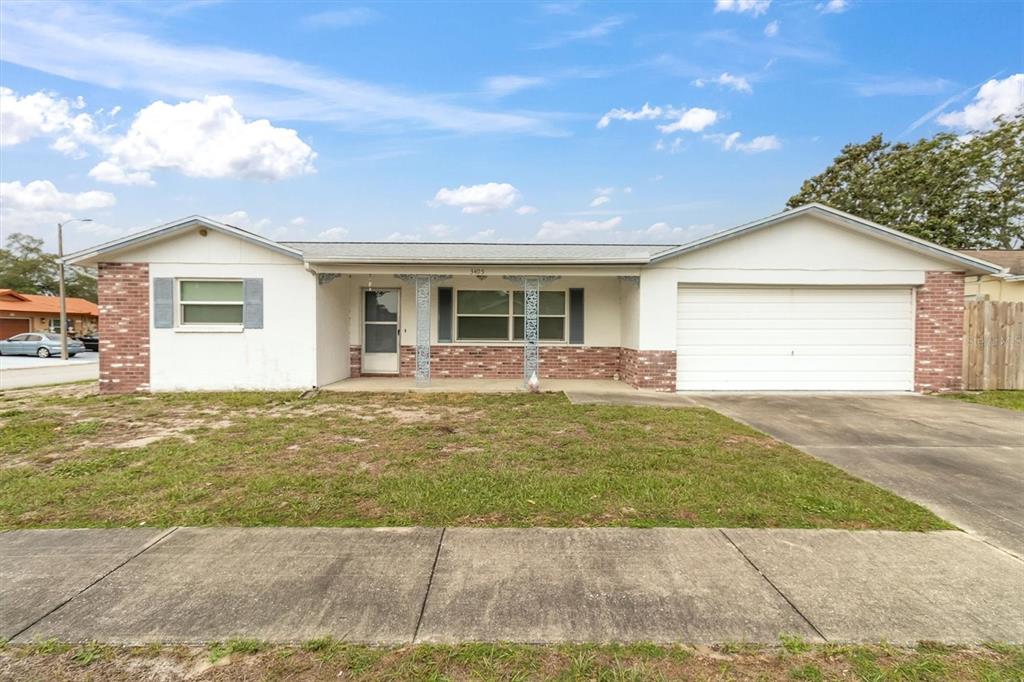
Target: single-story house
[
  {"x": 20, "y": 313},
  {"x": 1004, "y": 286},
  {"x": 809, "y": 299}
]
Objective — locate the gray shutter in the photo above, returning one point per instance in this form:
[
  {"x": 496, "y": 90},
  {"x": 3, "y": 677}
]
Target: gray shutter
[
  {"x": 253, "y": 298},
  {"x": 163, "y": 302},
  {"x": 444, "y": 314},
  {"x": 576, "y": 316}
]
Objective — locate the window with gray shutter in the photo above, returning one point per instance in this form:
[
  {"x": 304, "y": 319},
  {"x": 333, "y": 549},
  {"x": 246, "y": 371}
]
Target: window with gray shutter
[
  {"x": 444, "y": 314},
  {"x": 576, "y": 316},
  {"x": 253, "y": 299},
  {"x": 163, "y": 302}
]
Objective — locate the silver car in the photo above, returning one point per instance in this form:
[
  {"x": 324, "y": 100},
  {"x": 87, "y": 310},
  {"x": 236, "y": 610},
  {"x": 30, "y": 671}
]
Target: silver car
[{"x": 42, "y": 345}]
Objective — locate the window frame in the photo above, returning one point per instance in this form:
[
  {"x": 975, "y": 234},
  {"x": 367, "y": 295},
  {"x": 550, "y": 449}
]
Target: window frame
[
  {"x": 510, "y": 317},
  {"x": 180, "y": 303}
]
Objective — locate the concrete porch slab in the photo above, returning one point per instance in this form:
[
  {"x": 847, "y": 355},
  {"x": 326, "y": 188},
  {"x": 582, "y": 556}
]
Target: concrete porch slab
[
  {"x": 378, "y": 384},
  {"x": 896, "y": 587},
  {"x": 600, "y": 584},
  {"x": 41, "y": 569},
  {"x": 276, "y": 584}
]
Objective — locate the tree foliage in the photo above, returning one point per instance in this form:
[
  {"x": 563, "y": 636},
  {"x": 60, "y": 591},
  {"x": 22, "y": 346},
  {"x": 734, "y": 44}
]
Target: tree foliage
[
  {"x": 962, "y": 192},
  {"x": 28, "y": 269}
]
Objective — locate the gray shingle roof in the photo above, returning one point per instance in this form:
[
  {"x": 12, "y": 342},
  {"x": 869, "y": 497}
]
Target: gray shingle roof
[{"x": 439, "y": 252}]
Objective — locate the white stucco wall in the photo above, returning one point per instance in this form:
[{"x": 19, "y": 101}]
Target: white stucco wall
[
  {"x": 601, "y": 305},
  {"x": 804, "y": 251},
  {"x": 332, "y": 331},
  {"x": 282, "y": 355},
  {"x": 629, "y": 314}
]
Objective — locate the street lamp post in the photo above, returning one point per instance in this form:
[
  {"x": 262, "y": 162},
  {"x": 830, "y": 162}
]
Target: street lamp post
[{"x": 63, "y": 302}]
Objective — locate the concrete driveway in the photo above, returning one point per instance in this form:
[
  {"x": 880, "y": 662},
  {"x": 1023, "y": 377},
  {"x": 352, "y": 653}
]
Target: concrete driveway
[{"x": 964, "y": 462}]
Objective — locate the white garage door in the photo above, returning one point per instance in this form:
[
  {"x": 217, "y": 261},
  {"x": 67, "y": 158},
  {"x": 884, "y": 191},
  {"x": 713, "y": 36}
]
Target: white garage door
[{"x": 795, "y": 339}]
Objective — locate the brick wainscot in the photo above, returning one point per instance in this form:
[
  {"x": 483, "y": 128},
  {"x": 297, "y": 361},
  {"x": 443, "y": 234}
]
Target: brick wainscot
[{"x": 123, "y": 290}]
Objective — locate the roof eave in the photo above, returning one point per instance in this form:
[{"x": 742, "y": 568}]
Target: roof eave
[{"x": 86, "y": 256}]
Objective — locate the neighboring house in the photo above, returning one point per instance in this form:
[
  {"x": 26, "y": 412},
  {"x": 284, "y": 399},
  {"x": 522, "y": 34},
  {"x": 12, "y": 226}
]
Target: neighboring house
[
  {"x": 1005, "y": 286},
  {"x": 809, "y": 299},
  {"x": 21, "y": 313}
]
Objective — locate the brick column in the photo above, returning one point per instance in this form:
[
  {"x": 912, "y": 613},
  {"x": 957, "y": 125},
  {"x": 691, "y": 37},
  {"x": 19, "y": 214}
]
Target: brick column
[
  {"x": 939, "y": 333},
  {"x": 123, "y": 290}
]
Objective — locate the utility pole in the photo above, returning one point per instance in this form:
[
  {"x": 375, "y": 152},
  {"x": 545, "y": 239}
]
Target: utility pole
[{"x": 63, "y": 301}]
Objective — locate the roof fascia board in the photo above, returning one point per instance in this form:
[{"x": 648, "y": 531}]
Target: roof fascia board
[
  {"x": 860, "y": 224},
  {"x": 475, "y": 261},
  {"x": 169, "y": 229}
]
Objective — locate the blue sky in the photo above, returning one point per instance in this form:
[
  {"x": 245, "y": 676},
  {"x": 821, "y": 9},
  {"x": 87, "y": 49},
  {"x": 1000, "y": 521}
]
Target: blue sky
[{"x": 462, "y": 121}]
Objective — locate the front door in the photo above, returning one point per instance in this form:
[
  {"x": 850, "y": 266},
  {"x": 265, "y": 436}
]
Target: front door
[{"x": 380, "y": 331}]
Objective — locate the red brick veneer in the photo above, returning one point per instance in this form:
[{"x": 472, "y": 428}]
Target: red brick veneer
[
  {"x": 939, "y": 333},
  {"x": 650, "y": 369},
  {"x": 123, "y": 290},
  {"x": 506, "y": 362}
]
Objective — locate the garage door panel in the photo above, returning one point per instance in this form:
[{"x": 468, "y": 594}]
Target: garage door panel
[
  {"x": 777, "y": 338},
  {"x": 786, "y": 363}
]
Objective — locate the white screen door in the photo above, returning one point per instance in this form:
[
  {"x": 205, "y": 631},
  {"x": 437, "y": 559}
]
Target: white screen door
[{"x": 380, "y": 331}]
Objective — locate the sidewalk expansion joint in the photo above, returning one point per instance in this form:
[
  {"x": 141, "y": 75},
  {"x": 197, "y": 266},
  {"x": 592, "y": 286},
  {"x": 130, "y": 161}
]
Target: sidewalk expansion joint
[
  {"x": 774, "y": 586},
  {"x": 430, "y": 581},
  {"x": 145, "y": 548}
]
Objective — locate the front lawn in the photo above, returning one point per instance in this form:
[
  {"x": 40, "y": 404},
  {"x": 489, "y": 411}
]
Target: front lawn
[
  {"x": 1008, "y": 400},
  {"x": 328, "y": 659},
  {"x": 72, "y": 458}
]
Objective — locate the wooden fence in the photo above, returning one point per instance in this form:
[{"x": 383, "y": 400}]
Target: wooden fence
[{"x": 993, "y": 345}]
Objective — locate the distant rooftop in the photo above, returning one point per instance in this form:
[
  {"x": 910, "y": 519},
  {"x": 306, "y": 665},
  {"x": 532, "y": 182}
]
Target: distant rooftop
[
  {"x": 1007, "y": 258},
  {"x": 474, "y": 252}
]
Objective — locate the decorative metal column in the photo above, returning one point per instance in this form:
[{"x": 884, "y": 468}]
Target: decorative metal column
[
  {"x": 531, "y": 319},
  {"x": 422, "y": 285}
]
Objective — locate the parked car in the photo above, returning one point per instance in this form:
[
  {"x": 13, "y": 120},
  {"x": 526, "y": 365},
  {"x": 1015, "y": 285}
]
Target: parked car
[
  {"x": 42, "y": 345},
  {"x": 91, "y": 341}
]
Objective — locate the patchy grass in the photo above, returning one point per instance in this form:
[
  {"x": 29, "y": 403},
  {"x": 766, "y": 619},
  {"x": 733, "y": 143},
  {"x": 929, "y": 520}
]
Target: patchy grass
[
  {"x": 70, "y": 457},
  {"x": 327, "y": 659},
  {"x": 1008, "y": 400}
]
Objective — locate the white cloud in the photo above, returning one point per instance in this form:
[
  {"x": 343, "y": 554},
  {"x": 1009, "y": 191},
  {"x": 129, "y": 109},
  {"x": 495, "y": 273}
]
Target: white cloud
[
  {"x": 693, "y": 120},
  {"x": 645, "y": 113},
  {"x": 341, "y": 18},
  {"x": 43, "y": 114},
  {"x": 572, "y": 229},
  {"x": 43, "y": 195},
  {"x": 833, "y": 6},
  {"x": 440, "y": 230},
  {"x": 563, "y": 8},
  {"x": 526, "y": 210},
  {"x": 727, "y": 80},
  {"x": 502, "y": 86},
  {"x": 403, "y": 237},
  {"x": 209, "y": 139},
  {"x": 754, "y": 7},
  {"x": 772, "y": 29},
  {"x": 595, "y": 31},
  {"x": 627, "y": 190},
  {"x": 485, "y": 198},
  {"x": 993, "y": 99},
  {"x": 599, "y": 201},
  {"x": 901, "y": 85},
  {"x": 482, "y": 235},
  {"x": 297, "y": 221},
  {"x": 732, "y": 142},
  {"x": 243, "y": 220},
  {"x": 262, "y": 85},
  {"x": 37, "y": 206},
  {"x": 333, "y": 234},
  {"x": 673, "y": 147},
  {"x": 105, "y": 171}
]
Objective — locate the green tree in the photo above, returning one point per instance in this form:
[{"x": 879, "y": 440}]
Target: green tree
[
  {"x": 27, "y": 268},
  {"x": 962, "y": 192}
]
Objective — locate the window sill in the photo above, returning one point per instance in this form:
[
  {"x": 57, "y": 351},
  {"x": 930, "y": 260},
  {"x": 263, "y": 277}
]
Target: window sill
[{"x": 210, "y": 329}]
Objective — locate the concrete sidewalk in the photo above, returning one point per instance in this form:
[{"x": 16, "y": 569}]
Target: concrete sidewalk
[{"x": 402, "y": 585}]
